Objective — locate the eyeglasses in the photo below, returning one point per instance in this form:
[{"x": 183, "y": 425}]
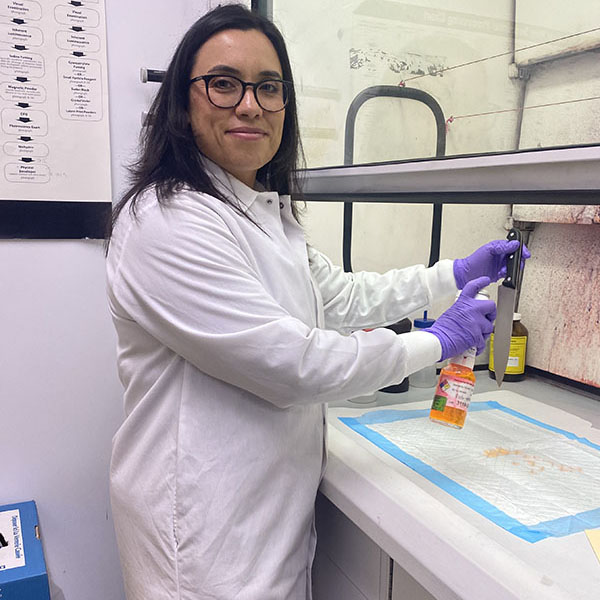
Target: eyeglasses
[{"x": 227, "y": 91}]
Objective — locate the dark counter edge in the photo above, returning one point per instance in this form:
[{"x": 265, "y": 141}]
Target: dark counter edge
[{"x": 44, "y": 220}]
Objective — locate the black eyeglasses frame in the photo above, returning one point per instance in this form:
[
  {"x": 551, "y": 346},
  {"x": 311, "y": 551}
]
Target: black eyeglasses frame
[{"x": 245, "y": 84}]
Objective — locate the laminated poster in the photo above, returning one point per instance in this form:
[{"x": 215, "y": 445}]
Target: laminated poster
[{"x": 54, "y": 133}]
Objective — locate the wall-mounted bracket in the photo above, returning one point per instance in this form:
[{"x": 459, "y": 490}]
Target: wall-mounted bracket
[
  {"x": 516, "y": 71},
  {"x": 151, "y": 75}
]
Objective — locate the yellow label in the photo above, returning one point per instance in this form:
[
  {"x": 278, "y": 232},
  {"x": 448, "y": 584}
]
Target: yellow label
[
  {"x": 516, "y": 355},
  {"x": 594, "y": 538}
]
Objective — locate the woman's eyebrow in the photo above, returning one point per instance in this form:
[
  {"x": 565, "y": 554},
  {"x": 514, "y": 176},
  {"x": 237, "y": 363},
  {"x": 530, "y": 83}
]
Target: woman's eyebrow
[
  {"x": 274, "y": 74},
  {"x": 237, "y": 72},
  {"x": 224, "y": 69}
]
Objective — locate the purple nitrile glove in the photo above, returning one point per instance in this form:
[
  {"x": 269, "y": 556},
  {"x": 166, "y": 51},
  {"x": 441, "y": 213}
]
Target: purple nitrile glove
[
  {"x": 488, "y": 261},
  {"x": 468, "y": 322}
]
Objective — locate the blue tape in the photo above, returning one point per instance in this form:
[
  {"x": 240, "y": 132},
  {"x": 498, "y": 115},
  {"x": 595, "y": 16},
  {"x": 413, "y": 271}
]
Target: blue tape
[{"x": 531, "y": 533}]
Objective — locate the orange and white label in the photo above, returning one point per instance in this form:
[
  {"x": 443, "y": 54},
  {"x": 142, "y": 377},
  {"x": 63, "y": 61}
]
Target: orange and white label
[{"x": 453, "y": 392}]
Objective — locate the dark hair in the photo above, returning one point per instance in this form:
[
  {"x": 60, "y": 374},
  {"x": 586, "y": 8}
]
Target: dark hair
[{"x": 169, "y": 158}]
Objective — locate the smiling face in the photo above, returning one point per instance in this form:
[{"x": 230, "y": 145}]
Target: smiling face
[{"x": 241, "y": 139}]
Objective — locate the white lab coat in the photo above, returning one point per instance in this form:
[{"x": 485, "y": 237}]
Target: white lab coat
[{"x": 228, "y": 349}]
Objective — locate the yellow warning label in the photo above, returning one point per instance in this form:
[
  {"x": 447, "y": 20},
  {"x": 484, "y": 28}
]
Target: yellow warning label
[
  {"x": 594, "y": 538},
  {"x": 516, "y": 355}
]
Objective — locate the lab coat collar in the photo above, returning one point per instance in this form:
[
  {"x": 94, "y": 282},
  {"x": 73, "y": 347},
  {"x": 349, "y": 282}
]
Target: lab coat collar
[{"x": 231, "y": 186}]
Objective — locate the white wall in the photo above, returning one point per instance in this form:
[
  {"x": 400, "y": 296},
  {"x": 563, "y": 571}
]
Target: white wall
[
  {"x": 141, "y": 34},
  {"x": 60, "y": 396},
  {"x": 60, "y": 406}
]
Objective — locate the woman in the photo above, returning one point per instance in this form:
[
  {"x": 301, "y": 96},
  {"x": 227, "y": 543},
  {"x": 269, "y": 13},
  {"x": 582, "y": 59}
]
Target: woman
[{"x": 233, "y": 334}]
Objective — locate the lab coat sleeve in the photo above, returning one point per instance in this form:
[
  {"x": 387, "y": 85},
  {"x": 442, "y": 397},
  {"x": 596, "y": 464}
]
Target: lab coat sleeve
[
  {"x": 363, "y": 300},
  {"x": 188, "y": 282}
]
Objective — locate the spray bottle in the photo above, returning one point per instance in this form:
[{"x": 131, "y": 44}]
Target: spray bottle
[
  {"x": 454, "y": 390},
  {"x": 455, "y": 387}
]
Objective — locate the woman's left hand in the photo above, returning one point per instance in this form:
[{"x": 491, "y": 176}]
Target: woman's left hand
[{"x": 487, "y": 261}]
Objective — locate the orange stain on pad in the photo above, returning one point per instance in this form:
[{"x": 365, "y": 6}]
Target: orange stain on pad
[{"x": 535, "y": 463}]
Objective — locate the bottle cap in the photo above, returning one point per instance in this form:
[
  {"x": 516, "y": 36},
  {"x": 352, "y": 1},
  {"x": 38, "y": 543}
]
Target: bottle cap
[
  {"x": 466, "y": 359},
  {"x": 423, "y": 323},
  {"x": 481, "y": 295}
]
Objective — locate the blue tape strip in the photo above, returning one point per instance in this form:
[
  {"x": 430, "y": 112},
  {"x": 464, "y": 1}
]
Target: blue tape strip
[{"x": 530, "y": 533}]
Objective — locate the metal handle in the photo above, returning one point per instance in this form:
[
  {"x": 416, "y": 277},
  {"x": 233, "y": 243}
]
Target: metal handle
[
  {"x": 390, "y": 91},
  {"x": 153, "y": 75},
  {"x": 513, "y": 261}
]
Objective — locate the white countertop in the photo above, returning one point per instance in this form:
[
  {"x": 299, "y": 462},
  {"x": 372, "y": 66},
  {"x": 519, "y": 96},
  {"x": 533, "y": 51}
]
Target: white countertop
[{"x": 453, "y": 551}]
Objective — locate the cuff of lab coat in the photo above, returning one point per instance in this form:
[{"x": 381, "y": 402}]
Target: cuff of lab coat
[
  {"x": 422, "y": 349},
  {"x": 440, "y": 279}
]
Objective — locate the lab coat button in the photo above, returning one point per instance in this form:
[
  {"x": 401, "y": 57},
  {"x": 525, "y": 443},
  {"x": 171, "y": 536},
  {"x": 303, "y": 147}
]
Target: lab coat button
[
  {"x": 269, "y": 201},
  {"x": 281, "y": 205}
]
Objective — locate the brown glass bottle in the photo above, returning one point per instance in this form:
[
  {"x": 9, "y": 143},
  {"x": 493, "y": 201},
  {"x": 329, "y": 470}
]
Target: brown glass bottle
[{"x": 515, "y": 369}]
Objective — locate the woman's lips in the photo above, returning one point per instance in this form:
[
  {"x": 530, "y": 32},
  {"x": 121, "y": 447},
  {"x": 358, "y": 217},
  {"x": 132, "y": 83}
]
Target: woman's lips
[{"x": 247, "y": 133}]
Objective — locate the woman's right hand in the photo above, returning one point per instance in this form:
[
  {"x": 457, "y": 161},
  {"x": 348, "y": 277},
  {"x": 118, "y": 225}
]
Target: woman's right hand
[{"x": 468, "y": 322}]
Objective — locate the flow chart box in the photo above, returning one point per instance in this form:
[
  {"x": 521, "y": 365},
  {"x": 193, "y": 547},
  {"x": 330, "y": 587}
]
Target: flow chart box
[{"x": 22, "y": 566}]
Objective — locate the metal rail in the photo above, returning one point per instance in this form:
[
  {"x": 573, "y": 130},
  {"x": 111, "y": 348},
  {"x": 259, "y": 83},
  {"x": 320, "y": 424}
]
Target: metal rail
[{"x": 389, "y": 91}]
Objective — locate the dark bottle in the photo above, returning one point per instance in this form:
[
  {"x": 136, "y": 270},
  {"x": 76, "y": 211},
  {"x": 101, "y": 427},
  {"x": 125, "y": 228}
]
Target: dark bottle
[
  {"x": 403, "y": 326},
  {"x": 515, "y": 368}
]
